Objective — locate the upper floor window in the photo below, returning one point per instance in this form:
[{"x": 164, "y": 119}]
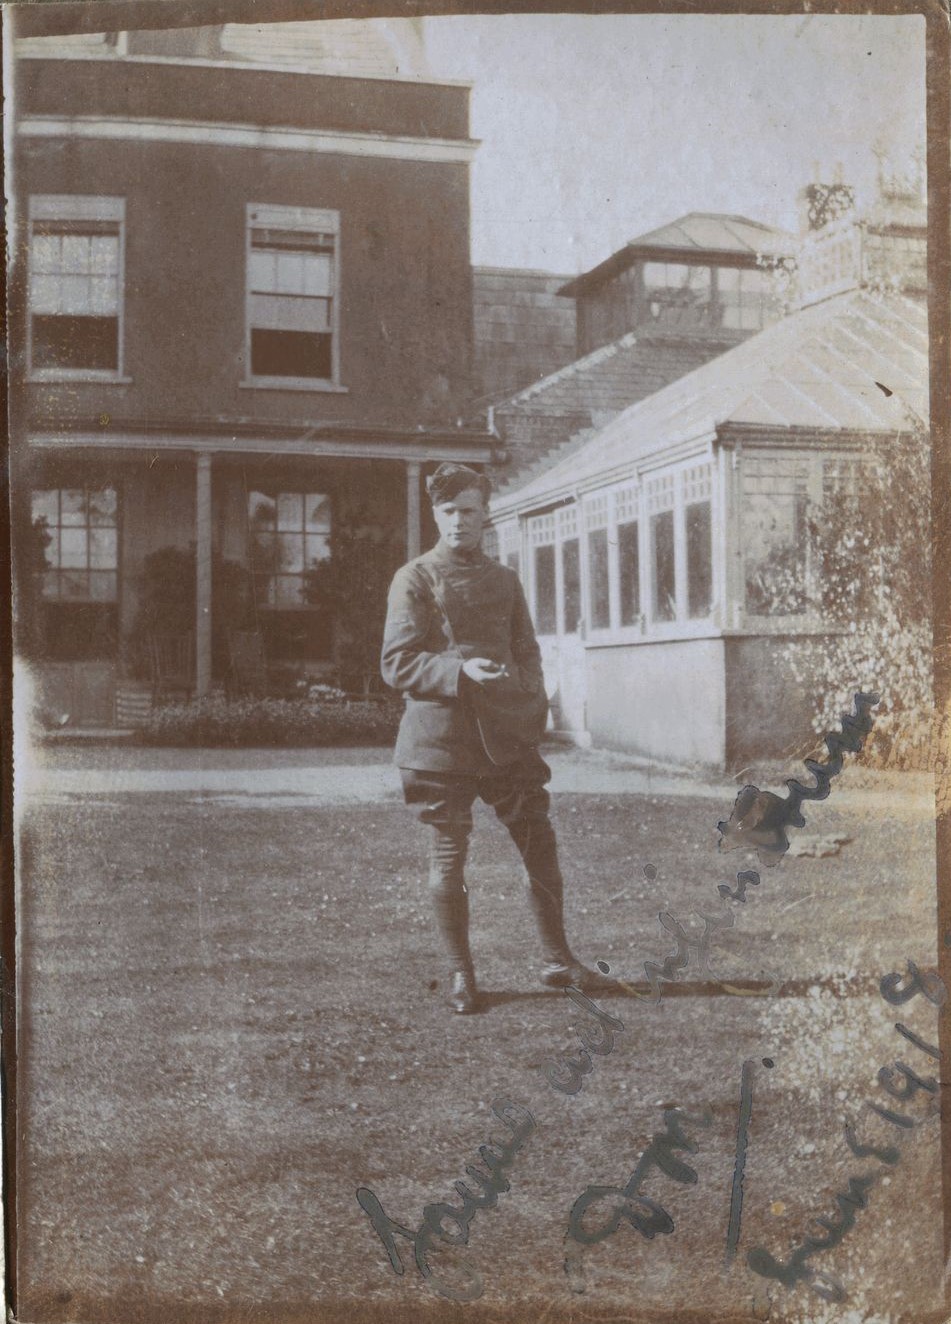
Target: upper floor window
[
  {"x": 292, "y": 297},
  {"x": 290, "y": 536},
  {"x": 79, "y": 527},
  {"x": 76, "y": 251}
]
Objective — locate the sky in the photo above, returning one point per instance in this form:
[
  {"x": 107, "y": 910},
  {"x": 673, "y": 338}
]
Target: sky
[{"x": 595, "y": 129}]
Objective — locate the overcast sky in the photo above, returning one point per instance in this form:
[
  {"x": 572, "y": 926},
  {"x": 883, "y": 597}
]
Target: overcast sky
[{"x": 596, "y": 129}]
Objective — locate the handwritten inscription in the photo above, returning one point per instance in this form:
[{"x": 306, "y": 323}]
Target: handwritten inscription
[
  {"x": 899, "y": 1082},
  {"x": 492, "y": 1181},
  {"x": 626, "y": 1204}
]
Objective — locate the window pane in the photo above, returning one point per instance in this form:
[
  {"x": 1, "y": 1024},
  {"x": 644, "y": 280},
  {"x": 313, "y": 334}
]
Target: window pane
[
  {"x": 102, "y": 506},
  {"x": 72, "y": 548},
  {"x": 51, "y": 584},
  {"x": 104, "y": 255},
  {"x": 103, "y": 296},
  {"x": 290, "y": 273},
  {"x": 45, "y": 505},
  {"x": 290, "y": 551},
  {"x": 262, "y": 271},
  {"x": 262, "y": 510},
  {"x": 73, "y": 506},
  {"x": 102, "y": 549},
  {"x": 317, "y": 548},
  {"x": 74, "y": 295},
  {"x": 76, "y": 253},
  {"x": 629, "y": 568},
  {"x": 45, "y": 253},
  {"x": 45, "y": 294},
  {"x": 662, "y": 554},
  {"x": 774, "y": 521},
  {"x": 318, "y": 274},
  {"x": 102, "y": 585},
  {"x": 289, "y": 591},
  {"x": 286, "y": 312},
  {"x": 317, "y": 512},
  {"x": 74, "y": 584},
  {"x": 290, "y": 510},
  {"x": 598, "y": 578},
  {"x": 513, "y": 561},
  {"x": 571, "y": 581},
  {"x": 545, "y": 589},
  {"x": 699, "y": 560}
]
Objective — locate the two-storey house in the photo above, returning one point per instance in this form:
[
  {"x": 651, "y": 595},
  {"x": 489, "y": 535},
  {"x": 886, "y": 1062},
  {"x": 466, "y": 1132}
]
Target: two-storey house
[{"x": 241, "y": 319}]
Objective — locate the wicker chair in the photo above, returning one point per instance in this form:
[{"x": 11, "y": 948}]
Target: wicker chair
[
  {"x": 247, "y": 663},
  {"x": 173, "y": 666}
]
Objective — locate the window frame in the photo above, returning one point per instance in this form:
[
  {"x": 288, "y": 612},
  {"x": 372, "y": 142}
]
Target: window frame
[
  {"x": 77, "y": 207},
  {"x": 265, "y": 576},
  {"x": 305, "y": 221},
  {"x": 86, "y": 525}
]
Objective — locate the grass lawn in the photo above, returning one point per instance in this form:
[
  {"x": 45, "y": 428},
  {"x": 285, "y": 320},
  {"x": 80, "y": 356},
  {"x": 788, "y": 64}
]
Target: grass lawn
[{"x": 233, "y": 1017}]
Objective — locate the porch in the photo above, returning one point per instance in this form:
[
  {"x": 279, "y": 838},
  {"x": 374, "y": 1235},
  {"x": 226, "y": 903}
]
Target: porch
[{"x": 153, "y": 541}]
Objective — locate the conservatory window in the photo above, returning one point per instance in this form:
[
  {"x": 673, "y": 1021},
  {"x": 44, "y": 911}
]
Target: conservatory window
[
  {"x": 567, "y": 524},
  {"x": 660, "y": 506},
  {"x": 510, "y": 546},
  {"x": 697, "y": 485},
  {"x": 775, "y": 535},
  {"x": 544, "y": 590},
  {"x": 599, "y": 589},
  {"x": 628, "y": 554}
]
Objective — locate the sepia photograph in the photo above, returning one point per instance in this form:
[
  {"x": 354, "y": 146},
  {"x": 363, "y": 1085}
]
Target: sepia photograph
[{"x": 481, "y": 733}]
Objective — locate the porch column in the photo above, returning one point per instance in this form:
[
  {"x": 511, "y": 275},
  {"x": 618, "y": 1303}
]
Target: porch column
[
  {"x": 202, "y": 575},
  {"x": 413, "y": 533}
]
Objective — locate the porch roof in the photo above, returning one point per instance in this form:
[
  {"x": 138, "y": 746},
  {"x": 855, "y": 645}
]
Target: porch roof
[{"x": 855, "y": 363}]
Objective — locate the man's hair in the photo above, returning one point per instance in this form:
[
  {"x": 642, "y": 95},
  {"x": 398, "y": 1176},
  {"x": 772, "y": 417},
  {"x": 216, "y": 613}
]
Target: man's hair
[{"x": 451, "y": 479}]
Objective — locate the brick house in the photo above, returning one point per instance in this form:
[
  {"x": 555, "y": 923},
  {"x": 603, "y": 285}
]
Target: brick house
[{"x": 241, "y": 319}]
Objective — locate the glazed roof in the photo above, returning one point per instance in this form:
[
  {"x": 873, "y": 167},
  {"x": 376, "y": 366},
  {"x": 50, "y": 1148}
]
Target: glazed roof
[{"x": 853, "y": 363}]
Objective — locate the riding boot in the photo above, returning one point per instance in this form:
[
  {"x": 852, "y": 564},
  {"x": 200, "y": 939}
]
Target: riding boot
[
  {"x": 535, "y": 839},
  {"x": 450, "y": 898}
]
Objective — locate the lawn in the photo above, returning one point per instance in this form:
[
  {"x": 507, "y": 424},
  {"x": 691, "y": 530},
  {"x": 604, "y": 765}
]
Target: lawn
[{"x": 233, "y": 1018}]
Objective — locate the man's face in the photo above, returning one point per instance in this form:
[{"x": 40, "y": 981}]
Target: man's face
[{"x": 461, "y": 520}]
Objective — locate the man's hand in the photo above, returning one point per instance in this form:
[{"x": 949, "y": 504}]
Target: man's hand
[{"x": 483, "y": 669}]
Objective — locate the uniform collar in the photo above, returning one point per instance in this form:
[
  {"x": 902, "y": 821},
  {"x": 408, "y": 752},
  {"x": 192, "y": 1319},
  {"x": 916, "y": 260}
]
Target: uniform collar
[{"x": 450, "y": 556}]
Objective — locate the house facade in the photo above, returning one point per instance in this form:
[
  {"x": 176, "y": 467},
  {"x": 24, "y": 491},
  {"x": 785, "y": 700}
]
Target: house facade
[
  {"x": 667, "y": 558},
  {"x": 241, "y": 322}
]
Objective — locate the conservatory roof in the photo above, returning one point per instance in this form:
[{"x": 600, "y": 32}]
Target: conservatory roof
[{"x": 853, "y": 363}]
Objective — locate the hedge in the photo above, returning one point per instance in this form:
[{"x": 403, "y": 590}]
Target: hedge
[{"x": 273, "y": 722}]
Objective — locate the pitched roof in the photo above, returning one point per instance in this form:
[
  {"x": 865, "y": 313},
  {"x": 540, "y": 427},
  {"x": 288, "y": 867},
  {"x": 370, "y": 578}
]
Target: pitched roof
[
  {"x": 697, "y": 235},
  {"x": 825, "y": 368},
  {"x": 589, "y": 391},
  {"x": 610, "y": 378},
  {"x": 713, "y": 230}
]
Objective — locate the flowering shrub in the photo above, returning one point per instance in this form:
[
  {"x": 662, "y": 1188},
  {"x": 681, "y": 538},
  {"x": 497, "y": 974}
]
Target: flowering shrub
[
  {"x": 871, "y": 552},
  {"x": 274, "y": 722}
]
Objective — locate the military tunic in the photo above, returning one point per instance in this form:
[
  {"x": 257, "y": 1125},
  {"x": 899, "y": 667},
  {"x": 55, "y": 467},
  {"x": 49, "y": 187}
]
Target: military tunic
[{"x": 423, "y": 653}]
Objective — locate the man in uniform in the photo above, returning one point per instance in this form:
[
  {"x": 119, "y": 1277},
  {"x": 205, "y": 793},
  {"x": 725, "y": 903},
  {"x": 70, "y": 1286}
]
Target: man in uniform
[{"x": 459, "y": 644}]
